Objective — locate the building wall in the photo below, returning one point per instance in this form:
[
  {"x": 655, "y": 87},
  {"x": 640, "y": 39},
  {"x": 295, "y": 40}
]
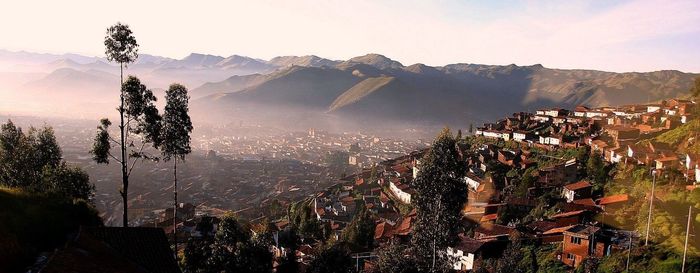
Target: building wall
[
  {"x": 579, "y": 251},
  {"x": 462, "y": 261}
]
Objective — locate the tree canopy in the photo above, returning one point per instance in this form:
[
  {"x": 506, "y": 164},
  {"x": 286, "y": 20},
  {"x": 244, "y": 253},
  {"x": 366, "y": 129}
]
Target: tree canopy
[
  {"x": 33, "y": 161},
  {"x": 440, "y": 197},
  {"x": 120, "y": 44}
]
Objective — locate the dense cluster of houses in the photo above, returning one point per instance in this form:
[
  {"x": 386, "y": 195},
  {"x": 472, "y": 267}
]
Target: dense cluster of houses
[
  {"x": 622, "y": 135},
  {"x": 619, "y": 134}
]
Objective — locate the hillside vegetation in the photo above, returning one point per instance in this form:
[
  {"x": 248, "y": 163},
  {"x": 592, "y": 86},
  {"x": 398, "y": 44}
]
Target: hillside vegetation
[
  {"x": 684, "y": 138},
  {"x": 34, "y": 222}
]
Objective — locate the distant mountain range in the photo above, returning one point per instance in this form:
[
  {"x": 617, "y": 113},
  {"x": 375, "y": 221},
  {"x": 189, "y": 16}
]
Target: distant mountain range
[
  {"x": 302, "y": 90},
  {"x": 374, "y": 88}
]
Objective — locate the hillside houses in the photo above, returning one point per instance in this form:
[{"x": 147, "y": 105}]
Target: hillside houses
[{"x": 527, "y": 177}]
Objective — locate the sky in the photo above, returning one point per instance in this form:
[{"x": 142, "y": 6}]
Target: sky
[{"x": 620, "y": 36}]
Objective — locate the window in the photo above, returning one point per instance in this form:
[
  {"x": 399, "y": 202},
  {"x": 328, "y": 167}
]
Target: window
[
  {"x": 575, "y": 240},
  {"x": 570, "y": 256}
]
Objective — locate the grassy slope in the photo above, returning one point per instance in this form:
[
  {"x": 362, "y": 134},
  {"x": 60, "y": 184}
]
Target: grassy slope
[
  {"x": 683, "y": 137},
  {"x": 359, "y": 91},
  {"x": 31, "y": 223}
]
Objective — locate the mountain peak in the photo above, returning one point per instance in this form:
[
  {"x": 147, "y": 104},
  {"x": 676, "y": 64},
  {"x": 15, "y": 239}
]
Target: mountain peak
[
  {"x": 198, "y": 59},
  {"x": 307, "y": 60},
  {"x": 377, "y": 60}
]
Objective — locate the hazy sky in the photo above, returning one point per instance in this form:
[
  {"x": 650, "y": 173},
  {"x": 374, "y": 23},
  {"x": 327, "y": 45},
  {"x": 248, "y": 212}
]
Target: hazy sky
[{"x": 620, "y": 36}]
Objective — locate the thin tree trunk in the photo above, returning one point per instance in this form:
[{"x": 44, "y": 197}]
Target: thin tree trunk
[
  {"x": 125, "y": 175},
  {"x": 175, "y": 209}
]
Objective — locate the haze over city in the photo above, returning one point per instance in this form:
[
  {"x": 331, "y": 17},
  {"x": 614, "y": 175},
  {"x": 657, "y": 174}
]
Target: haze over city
[{"x": 350, "y": 136}]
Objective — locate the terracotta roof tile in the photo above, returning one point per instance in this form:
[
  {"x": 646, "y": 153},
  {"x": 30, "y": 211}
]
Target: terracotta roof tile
[{"x": 613, "y": 199}]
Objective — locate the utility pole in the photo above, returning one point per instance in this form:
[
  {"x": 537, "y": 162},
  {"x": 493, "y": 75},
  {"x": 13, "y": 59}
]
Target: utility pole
[
  {"x": 651, "y": 205},
  {"x": 687, "y": 233},
  {"x": 629, "y": 250}
]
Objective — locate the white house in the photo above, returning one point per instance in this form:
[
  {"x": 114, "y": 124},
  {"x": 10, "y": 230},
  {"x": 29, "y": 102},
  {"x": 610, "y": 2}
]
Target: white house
[
  {"x": 578, "y": 190},
  {"x": 473, "y": 181},
  {"x": 653, "y": 108},
  {"x": 416, "y": 169},
  {"x": 401, "y": 191},
  {"x": 464, "y": 253},
  {"x": 492, "y": 134},
  {"x": 519, "y": 136},
  {"x": 541, "y": 118},
  {"x": 592, "y": 114},
  {"x": 553, "y": 112},
  {"x": 684, "y": 119},
  {"x": 505, "y": 136},
  {"x": 550, "y": 140},
  {"x": 616, "y": 155}
]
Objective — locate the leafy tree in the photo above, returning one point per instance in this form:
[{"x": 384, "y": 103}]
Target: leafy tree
[
  {"x": 303, "y": 219},
  {"x": 196, "y": 255},
  {"x": 395, "y": 258},
  {"x": 67, "y": 181},
  {"x": 589, "y": 265},
  {"x": 17, "y": 160},
  {"x": 360, "y": 233},
  {"x": 597, "y": 171},
  {"x": 252, "y": 258},
  {"x": 205, "y": 226},
  {"x": 289, "y": 239},
  {"x": 333, "y": 259},
  {"x": 440, "y": 196},
  {"x": 512, "y": 256},
  {"x": 141, "y": 128},
  {"x": 33, "y": 162},
  {"x": 373, "y": 174},
  {"x": 121, "y": 47},
  {"x": 175, "y": 132},
  {"x": 234, "y": 251},
  {"x": 48, "y": 151}
]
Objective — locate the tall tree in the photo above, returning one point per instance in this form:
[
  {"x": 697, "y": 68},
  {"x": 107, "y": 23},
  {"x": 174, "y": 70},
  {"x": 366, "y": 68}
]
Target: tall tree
[
  {"x": 16, "y": 158},
  {"x": 175, "y": 136},
  {"x": 141, "y": 127},
  {"x": 234, "y": 251},
  {"x": 360, "y": 233},
  {"x": 440, "y": 196},
  {"x": 121, "y": 47}
]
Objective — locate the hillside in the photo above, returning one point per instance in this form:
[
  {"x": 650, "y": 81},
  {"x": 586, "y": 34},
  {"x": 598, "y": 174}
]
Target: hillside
[
  {"x": 311, "y": 87},
  {"x": 232, "y": 84},
  {"x": 359, "y": 91},
  {"x": 375, "y": 87},
  {"x": 684, "y": 138},
  {"x": 35, "y": 223}
]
